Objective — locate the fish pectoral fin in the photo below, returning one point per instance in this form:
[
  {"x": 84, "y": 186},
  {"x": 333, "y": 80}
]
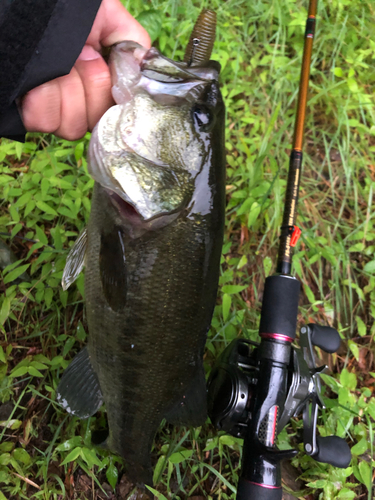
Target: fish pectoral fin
[
  {"x": 191, "y": 409},
  {"x": 75, "y": 260},
  {"x": 79, "y": 391},
  {"x": 113, "y": 272}
]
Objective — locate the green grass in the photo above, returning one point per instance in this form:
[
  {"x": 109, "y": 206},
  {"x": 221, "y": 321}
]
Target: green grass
[{"x": 45, "y": 193}]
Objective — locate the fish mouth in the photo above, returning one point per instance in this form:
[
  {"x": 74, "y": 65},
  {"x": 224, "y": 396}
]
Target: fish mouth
[{"x": 125, "y": 209}]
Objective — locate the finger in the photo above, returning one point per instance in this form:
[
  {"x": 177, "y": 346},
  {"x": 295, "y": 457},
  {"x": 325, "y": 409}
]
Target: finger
[
  {"x": 41, "y": 108},
  {"x": 73, "y": 123},
  {"x": 96, "y": 79},
  {"x": 114, "y": 24}
]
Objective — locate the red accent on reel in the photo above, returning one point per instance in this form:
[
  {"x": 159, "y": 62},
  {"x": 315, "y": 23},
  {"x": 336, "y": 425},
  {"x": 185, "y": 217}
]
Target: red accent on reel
[
  {"x": 266, "y": 485},
  {"x": 276, "y": 336}
]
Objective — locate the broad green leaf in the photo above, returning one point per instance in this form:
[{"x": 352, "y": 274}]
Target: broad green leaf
[
  {"x": 230, "y": 441},
  {"x": 41, "y": 235},
  {"x": 242, "y": 262},
  {"x": 90, "y": 457},
  {"x": 158, "y": 495},
  {"x": 69, "y": 444},
  {"x": 5, "y": 179},
  {"x": 360, "y": 447},
  {"x": 180, "y": 456},
  {"x": 362, "y": 330},
  {"x": 13, "y": 275},
  {"x": 11, "y": 424},
  {"x": 19, "y": 371},
  {"x": 48, "y": 296},
  {"x": 267, "y": 265},
  {"x": 346, "y": 494},
  {"x": 5, "y": 458},
  {"x": 365, "y": 471},
  {"x": 338, "y": 72},
  {"x": 5, "y": 309},
  {"x": 309, "y": 293},
  {"x": 29, "y": 207},
  {"x": 21, "y": 455},
  {"x": 158, "y": 469},
  {"x": 348, "y": 379},
  {"x": 227, "y": 302},
  {"x": 68, "y": 345},
  {"x": 370, "y": 267},
  {"x": 112, "y": 474},
  {"x": 354, "y": 348},
  {"x": 42, "y": 205},
  {"x": 231, "y": 289},
  {"x": 73, "y": 455},
  {"x": 211, "y": 444},
  {"x": 319, "y": 483},
  {"x": 34, "y": 372},
  {"x": 253, "y": 213}
]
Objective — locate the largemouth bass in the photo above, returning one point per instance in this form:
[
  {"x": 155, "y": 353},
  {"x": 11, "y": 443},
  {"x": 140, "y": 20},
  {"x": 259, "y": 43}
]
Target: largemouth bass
[{"x": 151, "y": 250}]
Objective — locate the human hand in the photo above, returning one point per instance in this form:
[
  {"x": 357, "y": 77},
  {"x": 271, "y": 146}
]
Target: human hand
[{"x": 71, "y": 105}]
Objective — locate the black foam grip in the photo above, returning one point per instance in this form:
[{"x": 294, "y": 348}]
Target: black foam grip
[
  {"x": 251, "y": 491},
  {"x": 325, "y": 337},
  {"x": 280, "y": 306},
  {"x": 333, "y": 450}
]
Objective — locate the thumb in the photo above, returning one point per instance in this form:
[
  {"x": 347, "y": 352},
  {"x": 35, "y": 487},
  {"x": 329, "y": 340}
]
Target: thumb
[{"x": 113, "y": 24}]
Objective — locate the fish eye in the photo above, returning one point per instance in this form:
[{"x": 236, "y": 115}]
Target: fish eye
[{"x": 202, "y": 117}]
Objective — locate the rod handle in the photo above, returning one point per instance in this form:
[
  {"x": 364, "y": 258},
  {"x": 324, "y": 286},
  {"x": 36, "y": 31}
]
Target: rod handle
[{"x": 247, "y": 490}]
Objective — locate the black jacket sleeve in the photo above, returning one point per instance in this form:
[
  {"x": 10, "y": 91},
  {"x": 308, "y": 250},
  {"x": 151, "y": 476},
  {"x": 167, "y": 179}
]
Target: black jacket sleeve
[{"x": 39, "y": 40}]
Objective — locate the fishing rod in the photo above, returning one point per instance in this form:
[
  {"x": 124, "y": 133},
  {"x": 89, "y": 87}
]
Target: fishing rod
[{"x": 255, "y": 388}]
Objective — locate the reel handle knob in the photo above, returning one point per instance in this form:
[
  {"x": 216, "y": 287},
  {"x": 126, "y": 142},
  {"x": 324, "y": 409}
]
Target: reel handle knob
[
  {"x": 325, "y": 337},
  {"x": 333, "y": 450},
  {"x": 251, "y": 491}
]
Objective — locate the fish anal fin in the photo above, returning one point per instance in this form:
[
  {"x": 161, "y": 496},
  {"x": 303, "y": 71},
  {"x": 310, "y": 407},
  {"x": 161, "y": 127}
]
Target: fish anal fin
[
  {"x": 112, "y": 267},
  {"x": 75, "y": 260},
  {"x": 79, "y": 391},
  {"x": 191, "y": 410}
]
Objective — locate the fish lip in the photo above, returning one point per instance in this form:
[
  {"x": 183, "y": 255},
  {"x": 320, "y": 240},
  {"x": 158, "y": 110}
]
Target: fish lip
[{"x": 132, "y": 65}]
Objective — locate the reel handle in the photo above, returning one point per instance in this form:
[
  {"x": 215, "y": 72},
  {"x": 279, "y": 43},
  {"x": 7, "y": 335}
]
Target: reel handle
[
  {"x": 333, "y": 450},
  {"x": 325, "y": 337}
]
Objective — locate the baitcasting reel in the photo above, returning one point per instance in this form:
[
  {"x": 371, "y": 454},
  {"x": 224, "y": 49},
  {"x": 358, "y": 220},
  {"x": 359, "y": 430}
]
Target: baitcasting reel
[{"x": 232, "y": 391}]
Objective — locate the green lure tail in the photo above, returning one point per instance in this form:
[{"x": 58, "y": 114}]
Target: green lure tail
[{"x": 202, "y": 39}]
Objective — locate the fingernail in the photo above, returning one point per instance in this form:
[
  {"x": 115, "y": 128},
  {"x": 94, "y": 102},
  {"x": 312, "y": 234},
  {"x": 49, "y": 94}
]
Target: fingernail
[{"x": 88, "y": 54}]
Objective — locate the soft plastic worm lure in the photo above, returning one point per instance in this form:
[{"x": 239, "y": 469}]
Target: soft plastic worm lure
[{"x": 201, "y": 39}]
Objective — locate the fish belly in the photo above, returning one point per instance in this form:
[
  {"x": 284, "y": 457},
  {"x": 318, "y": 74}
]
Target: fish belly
[{"x": 147, "y": 348}]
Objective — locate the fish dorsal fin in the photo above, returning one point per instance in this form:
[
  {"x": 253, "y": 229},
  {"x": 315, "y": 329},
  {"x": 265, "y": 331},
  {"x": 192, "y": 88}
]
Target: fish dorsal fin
[
  {"x": 79, "y": 391},
  {"x": 75, "y": 260}
]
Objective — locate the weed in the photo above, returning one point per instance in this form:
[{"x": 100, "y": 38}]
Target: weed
[{"x": 45, "y": 193}]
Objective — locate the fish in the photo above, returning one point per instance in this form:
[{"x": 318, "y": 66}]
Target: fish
[{"x": 151, "y": 250}]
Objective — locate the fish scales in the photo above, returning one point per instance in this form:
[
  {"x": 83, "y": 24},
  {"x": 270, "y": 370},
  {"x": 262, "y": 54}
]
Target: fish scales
[
  {"x": 151, "y": 250},
  {"x": 147, "y": 354}
]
